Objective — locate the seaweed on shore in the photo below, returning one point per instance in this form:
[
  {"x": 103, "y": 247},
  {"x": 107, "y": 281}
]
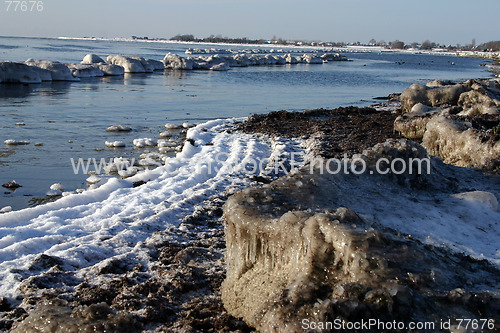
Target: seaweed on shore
[{"x": 345, "y": 130}]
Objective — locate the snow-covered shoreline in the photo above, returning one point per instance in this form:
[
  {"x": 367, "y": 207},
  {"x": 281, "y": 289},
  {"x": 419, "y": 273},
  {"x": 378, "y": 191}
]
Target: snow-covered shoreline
[{"x": 96, "y": 225}]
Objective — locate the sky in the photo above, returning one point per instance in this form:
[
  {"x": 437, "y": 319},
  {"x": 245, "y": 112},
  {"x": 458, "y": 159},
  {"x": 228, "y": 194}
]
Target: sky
[{"x": 442, "y": 21}]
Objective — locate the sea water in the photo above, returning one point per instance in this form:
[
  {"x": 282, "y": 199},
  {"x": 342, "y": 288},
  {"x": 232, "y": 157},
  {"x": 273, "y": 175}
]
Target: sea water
[{"x": 70, "y": 119}]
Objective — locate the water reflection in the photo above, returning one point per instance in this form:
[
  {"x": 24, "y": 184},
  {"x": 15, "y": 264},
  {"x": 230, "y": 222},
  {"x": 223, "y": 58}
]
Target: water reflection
[
  {"x": 15, "y": 90},
  {"x": 135, "y": 78},
  {"x": 175, "y": 75},
  {"x": 54, "y": 88}
]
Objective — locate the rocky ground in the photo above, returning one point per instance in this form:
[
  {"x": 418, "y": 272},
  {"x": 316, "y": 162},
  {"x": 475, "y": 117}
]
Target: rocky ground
[{"x": 341, "y": 131}]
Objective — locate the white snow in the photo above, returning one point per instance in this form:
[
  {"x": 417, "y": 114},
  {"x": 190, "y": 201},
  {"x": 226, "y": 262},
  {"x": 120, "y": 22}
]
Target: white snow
[{"x": 85, "y": 229}]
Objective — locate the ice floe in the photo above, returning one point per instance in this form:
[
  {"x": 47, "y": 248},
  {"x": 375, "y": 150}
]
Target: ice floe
[
  {"x": 13, "y": 72},
  {"x": 171, "y": 126},
  {"x": 85, "y": 71},
  {"x": 173, "y": 61},
  {"x": 119, "y": 128},
  {"x": 130, "y": 65},
  {"x": 92, "y": 59},
  {"x": 111, "y": 70},
  {"x": 12, "y": 142},
  {"x": 93, "y": 179},
  {"x": 57, "y": 186},
  {"x": 58, "y": 71},
  {"x": 115, "y": 144},
  {"x": 144, "y": 142},
  {"x": 54, "y": 193},
  {"x": 6, "y": 209}
]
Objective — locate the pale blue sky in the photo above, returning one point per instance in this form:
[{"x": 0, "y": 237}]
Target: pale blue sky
[{"x": 442, "y": 21}]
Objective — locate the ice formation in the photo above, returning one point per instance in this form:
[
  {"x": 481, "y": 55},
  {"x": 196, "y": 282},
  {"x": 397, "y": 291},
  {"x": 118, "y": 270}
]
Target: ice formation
[
  {"x": 457, "y": 144},
  {"x": 412, "y": 125},
  {"x": 13, "y": 72},
  {"x": 45, "y": 74},
  {"x": 224, "y": 62},
  {"x": 111, "y": 70},
  {"x": 130, "y": 65},
  {"x": 418, "y": 93},
  {"x": 12, "y": 142},
  {"x": 6, "y": 209},
  {"x": 93, "y": 179},
  {"x": 57, "y": 186},
  {"x": 58, "y": 71},
  {"x": 85, "y": 70},
  {"x": 144, "y": 142},
  {"x": 220, "y": 67},
  {"x": 92, "y": 59},
  {"x": 464, "y": 130},
  {"x": 483, "y": 198},
  {"x": 311, "y": 59},
  {"x": 118, "y": 164},
  {"x": 170, "y": 126},
  {"x": 149, "y": 65},
  {"x": 115, "y": 144},
  {"x": 294, "y": 252},
  {"x": 119, "y": 128},
  {"x": 173, "y": 61},
  {"x": 54, "y": 193}
]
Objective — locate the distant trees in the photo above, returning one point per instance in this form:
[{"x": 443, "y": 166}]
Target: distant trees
[
  {"x": 184, "y": 38},
  {"x": 427, "y": 45},
  {"x": 216, "y": 39},
  {"x": 397, "y": 44},
  {"x": 490, "y": 46},
  {"x": 382, "y": 43}
]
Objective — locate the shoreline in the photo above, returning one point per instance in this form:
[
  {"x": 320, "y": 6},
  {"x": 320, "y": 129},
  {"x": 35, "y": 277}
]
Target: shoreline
[{"x": 177, "y": 287}]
